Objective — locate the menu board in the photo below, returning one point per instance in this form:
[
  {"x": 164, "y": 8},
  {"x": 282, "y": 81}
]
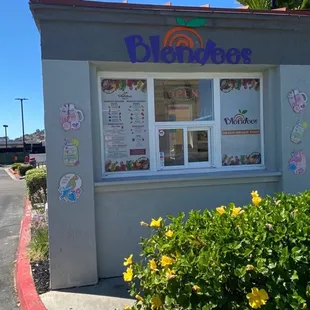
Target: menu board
[
  {"x": 125, "y": 125},
  {"x": 240, "y": 122}
]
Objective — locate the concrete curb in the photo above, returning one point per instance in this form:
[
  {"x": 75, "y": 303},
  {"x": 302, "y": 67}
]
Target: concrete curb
[{"x": 26, "y": 291}]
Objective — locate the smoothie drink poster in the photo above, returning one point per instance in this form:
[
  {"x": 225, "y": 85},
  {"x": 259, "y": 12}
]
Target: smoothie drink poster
[
  {"x": 125, "y": 125},
  {"x": 240, "y": 122}
]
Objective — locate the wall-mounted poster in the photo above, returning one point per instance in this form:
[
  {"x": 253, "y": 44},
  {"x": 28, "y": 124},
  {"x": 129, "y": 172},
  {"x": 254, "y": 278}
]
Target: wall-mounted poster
[
  {"x": 70, "y": 117},
  {"x": 70, "y": 187},
  {"x": 240, "y": 122},
  {"x": 298, "y": 132},
  {"x": 125, "y": 125},
  {"x": 297, "y": 163},
  {"x": 297, "y": 100},
  {"x": 71, "y": 152}
]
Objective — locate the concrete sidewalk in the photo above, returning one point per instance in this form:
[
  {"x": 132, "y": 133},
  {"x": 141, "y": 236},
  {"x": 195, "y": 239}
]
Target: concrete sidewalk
[{"x": 108, "y": 294}]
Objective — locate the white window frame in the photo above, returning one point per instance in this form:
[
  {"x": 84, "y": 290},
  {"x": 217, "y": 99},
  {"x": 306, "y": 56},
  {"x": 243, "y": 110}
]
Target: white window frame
[
  {"x": 215, "y": 154},
  {"x": 186, "y": 129}
]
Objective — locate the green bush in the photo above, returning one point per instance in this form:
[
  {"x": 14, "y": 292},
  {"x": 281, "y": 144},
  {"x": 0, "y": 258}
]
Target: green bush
[
  {"x": 15, "y": 166},
  {"x": 35, "y": 171},
  {"x": 36, "y": 185},
  {"x": 22, "y": 169},
  {"x": 230, "y": 258}
]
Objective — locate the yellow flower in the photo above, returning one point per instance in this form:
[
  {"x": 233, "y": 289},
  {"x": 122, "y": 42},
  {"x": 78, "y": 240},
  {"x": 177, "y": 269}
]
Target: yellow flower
[
  {"x": 196, "y": 288},
  {"x": 144, "y": 224},
  {"x": 153, "y": 265},
  {"x": 254, "y": 194},
  {"x": 139, "y": 298},
  {"x": 235, "y": 211},
  {"x": 250, "y": 267},
  {"x": 221, "y": 210},
  {"x": 128, "y": 261},
  {"x": 256, "y": 201},
  {"x": 128, "y": 275},
  {"x": 257, "y": 298},
  {"x": 127, "y": 307},
  {"x": 156, "y": 223},
  {"x": 166, "y": 261},
  {"x": 169, "y": 233},
  {"x": 170, "y": 274},
  {"x": 156, "y": 302}
]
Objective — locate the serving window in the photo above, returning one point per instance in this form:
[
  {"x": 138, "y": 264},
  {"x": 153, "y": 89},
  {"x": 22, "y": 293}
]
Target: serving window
[{"x": 154, "y": 125}]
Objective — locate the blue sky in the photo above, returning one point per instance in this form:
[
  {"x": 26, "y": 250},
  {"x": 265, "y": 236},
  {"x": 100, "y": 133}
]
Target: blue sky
[{"x": 20, "y": 63}]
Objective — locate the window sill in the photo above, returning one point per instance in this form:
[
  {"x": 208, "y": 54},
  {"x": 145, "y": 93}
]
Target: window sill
[{"x": 187, "y": 180}]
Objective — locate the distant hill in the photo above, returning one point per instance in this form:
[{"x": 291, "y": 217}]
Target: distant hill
[{"x": 38, "y": 135}]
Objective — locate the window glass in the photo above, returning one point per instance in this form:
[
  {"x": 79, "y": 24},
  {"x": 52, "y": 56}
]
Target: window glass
[
  {"x": 240, "y": 121},
  {"x": 125, "y": 125},
  {"x": 171, "y": 147},
  {"x": 197, "y": 142},
  {"x": 183, "y": 100}
]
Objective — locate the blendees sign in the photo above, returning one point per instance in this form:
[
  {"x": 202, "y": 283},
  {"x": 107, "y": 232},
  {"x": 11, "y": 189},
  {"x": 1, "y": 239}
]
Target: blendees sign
[{"x": 183, "y": 44}]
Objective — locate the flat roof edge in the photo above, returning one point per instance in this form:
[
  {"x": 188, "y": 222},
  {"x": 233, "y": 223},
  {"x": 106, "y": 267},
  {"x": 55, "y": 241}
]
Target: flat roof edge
[{"x": 150, "y": 7}]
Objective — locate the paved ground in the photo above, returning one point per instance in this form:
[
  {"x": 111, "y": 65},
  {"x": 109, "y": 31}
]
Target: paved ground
[
  {"x": 109, "y": 294},
  {"x": 11, "y": 210}
]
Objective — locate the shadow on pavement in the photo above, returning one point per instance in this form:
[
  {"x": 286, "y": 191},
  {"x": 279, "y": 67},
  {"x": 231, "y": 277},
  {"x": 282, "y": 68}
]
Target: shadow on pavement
[{"x": 111, "y": 287}]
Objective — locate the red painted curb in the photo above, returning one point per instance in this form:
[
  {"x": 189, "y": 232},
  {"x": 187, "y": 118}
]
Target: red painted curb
[
  {"x": 14, "y": 174},
  {"x": 26, "y": 291}
]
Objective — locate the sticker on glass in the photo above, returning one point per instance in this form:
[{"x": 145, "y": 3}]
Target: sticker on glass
[
  {"x": 297, "y": 100},
  {"x": 71, "y": 152},
  {"x": 297, "y": 162},
  {"x": 161, "y": 133},
  {"x": 161, "y": 159},
  {"x": 70, "y": 187},
  {"x": 70, "y": 117},
  {"x": 298, "y": 132}
]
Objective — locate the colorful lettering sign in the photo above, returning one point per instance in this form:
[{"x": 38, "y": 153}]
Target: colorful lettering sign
[
  {"x": 183, "y": 44},
  {"x": 240, "y": 119}
]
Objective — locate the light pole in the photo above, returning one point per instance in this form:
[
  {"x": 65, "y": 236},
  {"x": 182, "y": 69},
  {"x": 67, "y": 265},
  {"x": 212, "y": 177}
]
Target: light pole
[
  {"x": 22, "y": 110},
  {"x": 6, "y": 136}
]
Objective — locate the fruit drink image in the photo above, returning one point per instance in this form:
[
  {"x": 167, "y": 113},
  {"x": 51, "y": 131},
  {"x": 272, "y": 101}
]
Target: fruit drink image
[
  {"x": 71, "y": 153},
  {"x": 298, "y": 132},
  {"x": 297, "y": 163},
  {"x": 70, "y": 117},
  {"x": 297, "y": 100}
]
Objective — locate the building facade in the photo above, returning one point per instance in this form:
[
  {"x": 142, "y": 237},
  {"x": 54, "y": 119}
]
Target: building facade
[{"x": 183, "y": 108}]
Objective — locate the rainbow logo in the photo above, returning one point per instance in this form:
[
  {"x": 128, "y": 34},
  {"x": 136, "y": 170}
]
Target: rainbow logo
[
  {"x": 183, "y": 44},
  {"x": 240, "y": 116},
  {"x": 185, "y": 34},
  {"x": 240, "y": 119}
]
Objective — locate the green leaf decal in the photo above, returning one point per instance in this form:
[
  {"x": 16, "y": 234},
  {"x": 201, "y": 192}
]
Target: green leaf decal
[
  {"x": 181, "y": 21},
  {"x": 244, "y": 111},
  {"x": 196, "y": 22},
  {"x": 240, "y": 111}
]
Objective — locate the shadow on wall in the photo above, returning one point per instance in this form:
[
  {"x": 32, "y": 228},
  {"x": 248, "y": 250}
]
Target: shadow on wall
[{"x": 112, "y": 287}]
